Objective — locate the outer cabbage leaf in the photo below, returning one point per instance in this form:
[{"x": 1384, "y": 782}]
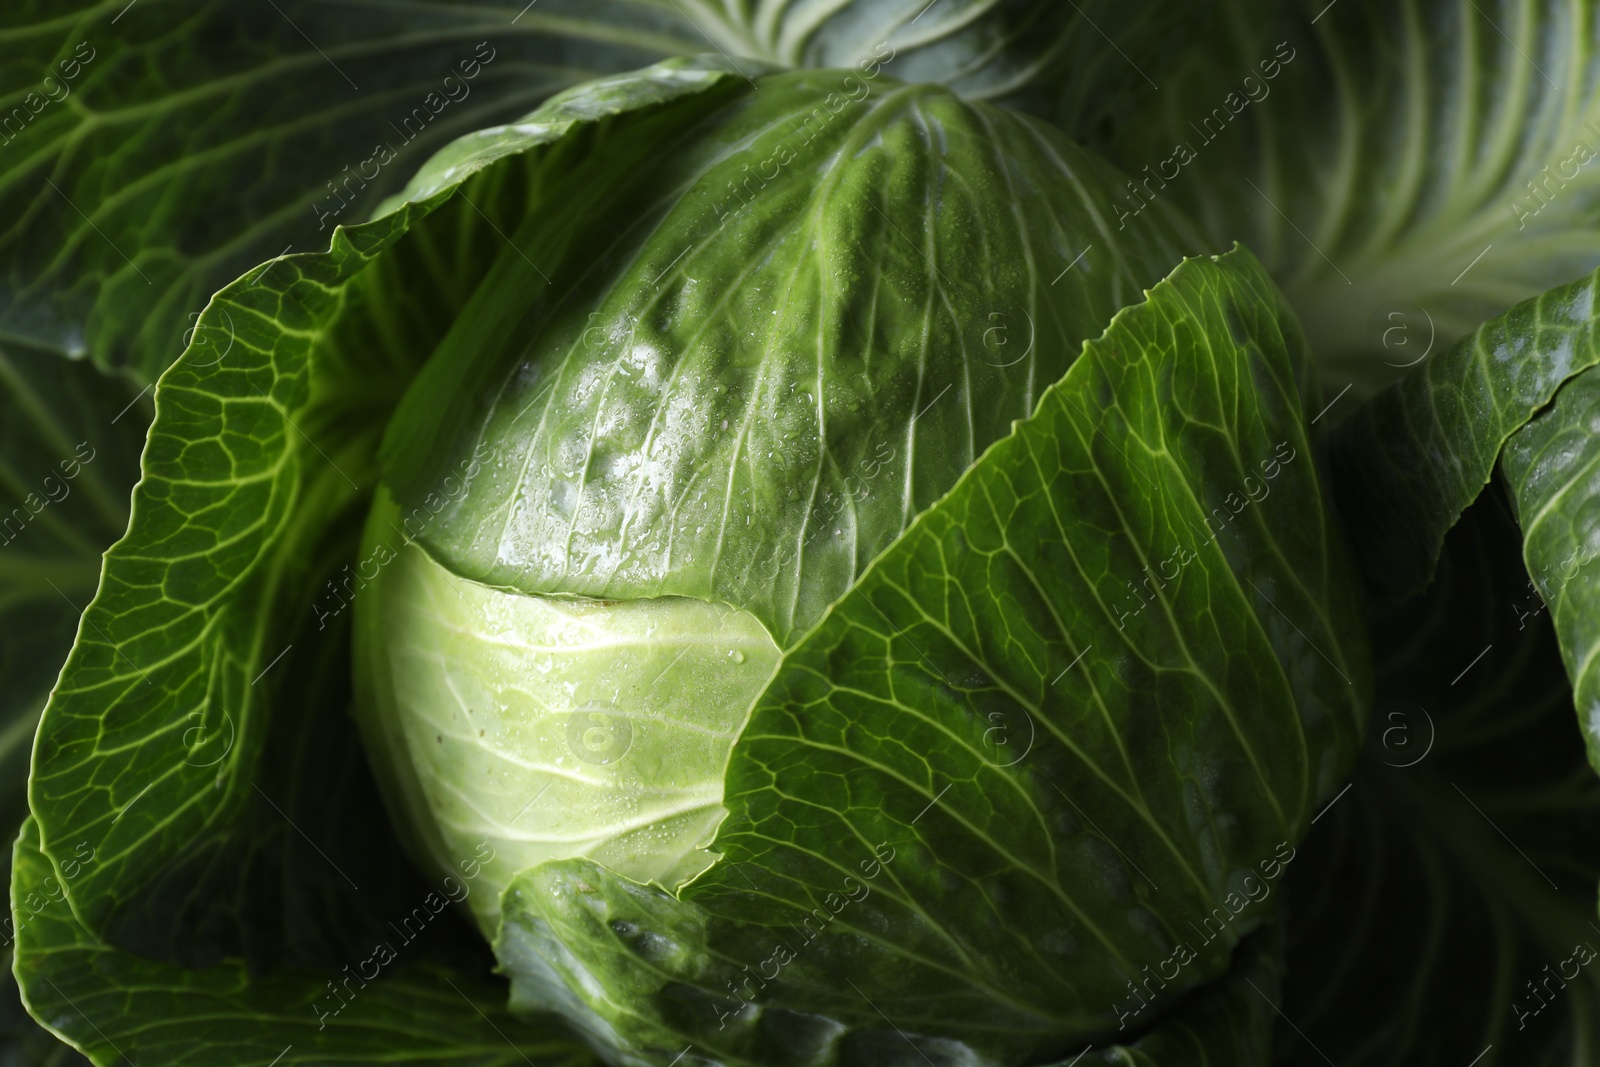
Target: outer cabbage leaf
[
  {"x": 154, "y": 151},
  {"x": 1442, "y": 910},
  {"x": 1162, "y": 750},
  {"x": 1413, "y": 169},
  {"x": 200, "y": 792},
  {"x": 1411, "y": 461},
  {"x": 69, "y": 445},
  {"x": 1552, "y": 468}
]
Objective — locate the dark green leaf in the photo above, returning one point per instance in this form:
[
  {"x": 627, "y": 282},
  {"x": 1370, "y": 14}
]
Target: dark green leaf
[
  {"x": 193, "y": 139},
  {"x": 69, "y": 455},
  {"x": 1412, "y": 460},
  {"x": 1552, "y": 468},
  {"x": 1230, "y": 1023}
]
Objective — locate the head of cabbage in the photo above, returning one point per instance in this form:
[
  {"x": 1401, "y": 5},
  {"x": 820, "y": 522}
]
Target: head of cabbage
[{"x": 732, "y": 552}]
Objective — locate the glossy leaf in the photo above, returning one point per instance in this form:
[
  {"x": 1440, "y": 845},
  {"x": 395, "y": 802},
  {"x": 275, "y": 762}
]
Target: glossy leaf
[
  {"x": 1411, "y": 461},
  {"x": 1553, "y": 470}
]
